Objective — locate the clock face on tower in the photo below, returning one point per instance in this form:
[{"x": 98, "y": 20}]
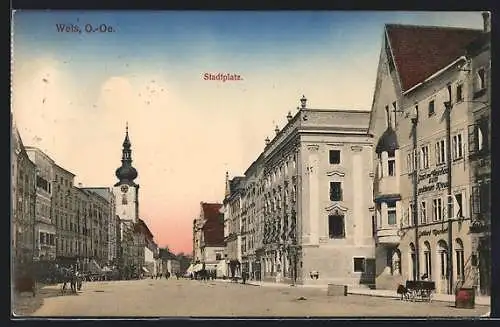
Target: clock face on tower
[{"x": 124, "y": 188}]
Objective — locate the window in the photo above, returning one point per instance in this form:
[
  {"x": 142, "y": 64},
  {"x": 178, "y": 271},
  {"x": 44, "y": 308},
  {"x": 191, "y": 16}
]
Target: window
[
  {"x": 411, "y": 218},
  {"x": 437, "y": 212},
  {"x": 457, "y": 146},
  {"x": 336, "y": 226},
  {"x": 374, "y": 225},
  {"x": 423, "y": 212},
  {"x": 428, "y": 261},
  {"x": 480, "y": 79},
  {"x": 424, "y": 157},
  {"x": 124, "y": 200},
  {"x": 481, "y": 135},
  {"x": 440, "y": 152},
  {"x": 391, "y": 163},
  {"x": 410, "y": 162},
  {"x": 394, "y": 110},
  {"x": 359, "y": 264},
  {"x": 459, "y": 253},
  {"x": 335, "y": 191},
  {"x": 431, "y": 108},
  {"x": 387, "y": 117},
  {"x": 334, "y": 157},
  {"x": 391, "y": 213},
  {"x": 458, "y": 206},
  {"x": 218, "y": 256},
  {"x": 459, "y": 93}
]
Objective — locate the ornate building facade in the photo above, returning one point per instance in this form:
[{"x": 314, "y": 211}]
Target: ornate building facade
[
  {"x": 420, "y": 119},
  {"x": 305, "y": 208}
]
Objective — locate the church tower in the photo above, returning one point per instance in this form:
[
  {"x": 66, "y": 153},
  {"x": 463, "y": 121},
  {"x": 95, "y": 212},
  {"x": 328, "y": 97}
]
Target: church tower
[{"x": 126, "y": 190}]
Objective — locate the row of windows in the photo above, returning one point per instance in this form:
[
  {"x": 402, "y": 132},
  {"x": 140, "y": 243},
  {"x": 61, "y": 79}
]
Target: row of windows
[
  {"x": 442, "y": 256},
  {"x": 434, "y": 210},
  {"x": 420, "y": 160},
  {"x": 479, "y": 85},
  {"x": 47, "y": 239}
]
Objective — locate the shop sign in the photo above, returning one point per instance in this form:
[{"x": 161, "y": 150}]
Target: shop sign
[
  {"x": 434, "y": 232},
  {"x": 432, "y": 181}
]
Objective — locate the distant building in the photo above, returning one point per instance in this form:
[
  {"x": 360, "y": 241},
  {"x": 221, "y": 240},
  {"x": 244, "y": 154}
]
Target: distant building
[
  {"x": 208, "y": 236},
  {"x": 45, "y": 222},
  {"x": 126, "y": 193},
  {"x": 232, "y": 212}
]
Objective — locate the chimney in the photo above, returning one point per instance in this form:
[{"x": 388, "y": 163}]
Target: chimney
[
  {"x": 289, "y": 116},
  {"x": 486, "y": 21},
  {"x": 80, "y": 185},
  {"x": 277, "y": 130},
  {"x": 267, "y": 141}
]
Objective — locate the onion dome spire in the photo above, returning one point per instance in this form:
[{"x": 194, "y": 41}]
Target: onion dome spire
[{"x": 126, "y": 173}]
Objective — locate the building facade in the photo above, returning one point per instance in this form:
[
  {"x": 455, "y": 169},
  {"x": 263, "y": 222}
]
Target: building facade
[
  {"x": 479, "y": 53},
  {"x": 24, "y": 195},
  {"x": 421, "y": 187},
  {"x": 112, "y": 243},
  {"x": 232, "y": 213},
  {"x": 305, "y": 210},
  {"x": 208, "y": 236},
  {"x": 45, "y": 225},
  {"x": 65, "y": 215}
]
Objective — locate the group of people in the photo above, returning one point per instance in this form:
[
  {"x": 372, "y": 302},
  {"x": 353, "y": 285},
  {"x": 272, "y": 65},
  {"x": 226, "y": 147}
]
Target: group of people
[{"x": 167, "y": 275}]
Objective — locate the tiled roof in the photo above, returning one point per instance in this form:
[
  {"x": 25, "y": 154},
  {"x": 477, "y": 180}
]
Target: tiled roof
[
  {"x": 213, "y": 229},
  {"x": 421, "y": 51}
]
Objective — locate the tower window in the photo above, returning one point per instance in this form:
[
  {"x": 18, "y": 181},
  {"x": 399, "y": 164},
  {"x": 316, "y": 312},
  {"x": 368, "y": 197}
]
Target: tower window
[{"x": 124, "y": 200}]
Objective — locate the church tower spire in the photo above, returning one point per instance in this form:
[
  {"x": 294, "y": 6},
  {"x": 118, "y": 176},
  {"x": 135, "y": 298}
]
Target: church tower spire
[
  {"x": 228, "y": 187},
  {"x": 126, "y": 173}
]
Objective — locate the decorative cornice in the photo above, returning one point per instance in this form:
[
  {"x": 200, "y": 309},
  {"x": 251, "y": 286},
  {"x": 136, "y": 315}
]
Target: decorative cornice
[
  {"x": 336, "y": 206},
  {"x": 356, "y": 148},
  {"x": 334, "y": 172},
  {"x": 336, "y": 144},
  {"x": 312, "y": 147}
]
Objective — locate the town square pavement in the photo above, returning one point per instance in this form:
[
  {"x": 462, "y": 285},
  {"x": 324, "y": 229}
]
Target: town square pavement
[{"x": 190, "y": 298}]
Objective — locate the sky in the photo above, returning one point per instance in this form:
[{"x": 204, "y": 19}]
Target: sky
[{"x": 72, "y": 93}]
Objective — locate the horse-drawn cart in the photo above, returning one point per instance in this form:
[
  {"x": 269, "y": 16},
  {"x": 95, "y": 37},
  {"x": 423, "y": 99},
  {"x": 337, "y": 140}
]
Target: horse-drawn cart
[{"x": 420, "y": 290}]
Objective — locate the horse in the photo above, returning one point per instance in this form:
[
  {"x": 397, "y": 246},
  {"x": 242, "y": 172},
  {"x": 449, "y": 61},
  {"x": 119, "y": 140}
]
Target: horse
[
  {"x": 403, "y": 291},
  {"x": 67, "y": 275}
]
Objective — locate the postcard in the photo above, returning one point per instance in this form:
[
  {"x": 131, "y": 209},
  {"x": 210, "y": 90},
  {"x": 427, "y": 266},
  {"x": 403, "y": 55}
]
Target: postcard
[{"x": 250, "y": 164}]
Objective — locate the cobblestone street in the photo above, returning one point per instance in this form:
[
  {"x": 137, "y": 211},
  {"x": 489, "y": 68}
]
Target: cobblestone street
[{"x": 153, "y": 298}]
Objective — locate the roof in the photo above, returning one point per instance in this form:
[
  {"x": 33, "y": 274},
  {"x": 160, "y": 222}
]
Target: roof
[
  {"x": 387, "y": 142},
  {"x": 213, "y": 229},
  {"x": 141, "y": 226},
  {"x": 236, "y": 183},
  {"x": 420, "y": 51}
]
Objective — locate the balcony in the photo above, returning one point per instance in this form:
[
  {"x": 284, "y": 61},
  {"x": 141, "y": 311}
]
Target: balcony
[
  {"x": 386, "y": 185},
  {"x": 388, "y": 235}
]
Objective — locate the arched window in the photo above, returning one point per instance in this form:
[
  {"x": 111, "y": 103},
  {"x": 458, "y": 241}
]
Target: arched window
[
  {"x": 459, "y": 255},
  {"x": 442, "y": 251},
  {"x": 428, "y": 259}
]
